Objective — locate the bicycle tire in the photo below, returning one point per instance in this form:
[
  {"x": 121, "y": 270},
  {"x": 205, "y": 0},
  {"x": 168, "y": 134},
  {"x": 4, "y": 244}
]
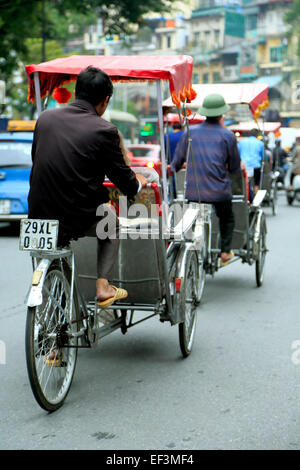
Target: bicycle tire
[
  {"x": 260, "y": 262},
  {"x": 189, "y": 303},
  {"x": 275, "y": 200},
  {"x": 44, "y": 327}
]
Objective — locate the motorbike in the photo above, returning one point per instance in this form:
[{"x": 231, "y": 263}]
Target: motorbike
[
  {"x": 281, "y": 177},
  {"x": 294, "y": 193}
]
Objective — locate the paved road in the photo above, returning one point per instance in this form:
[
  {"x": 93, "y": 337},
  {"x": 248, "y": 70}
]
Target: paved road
[{"x": 239, "y": 389}]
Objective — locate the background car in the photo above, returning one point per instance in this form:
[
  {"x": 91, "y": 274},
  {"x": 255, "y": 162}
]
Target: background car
[
  {"x": 15, "y": 166},
  {"x": 145, "y": 155}
]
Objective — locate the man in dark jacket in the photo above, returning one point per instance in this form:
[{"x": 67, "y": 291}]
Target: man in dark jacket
[
  {"x": 215, "y": 152},
  {"x": 72, "y": 152}
]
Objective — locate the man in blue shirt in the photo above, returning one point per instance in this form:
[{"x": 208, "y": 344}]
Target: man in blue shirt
[
  {"x": 252, "y": 154},
  {"x": 172, "y": 139},
  {"x": 215, "y": 152}
]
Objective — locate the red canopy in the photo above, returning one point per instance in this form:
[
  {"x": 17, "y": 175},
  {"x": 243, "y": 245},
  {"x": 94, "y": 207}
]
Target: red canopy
[
  {"x": 176, "y": 69},
  {"x": 194, "y": 118},
  {"x": 248, "y": 126},
  {"x": 253, "y": 94}
]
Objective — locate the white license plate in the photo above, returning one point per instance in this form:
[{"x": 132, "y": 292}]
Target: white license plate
[
  {"x": 4, "y": 206},
  {"x": 38, "y": 234}
]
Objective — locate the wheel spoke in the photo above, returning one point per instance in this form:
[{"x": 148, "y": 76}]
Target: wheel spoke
[
  {"x": 187, "y": 328},
  {"x": 49, "y": 320}
]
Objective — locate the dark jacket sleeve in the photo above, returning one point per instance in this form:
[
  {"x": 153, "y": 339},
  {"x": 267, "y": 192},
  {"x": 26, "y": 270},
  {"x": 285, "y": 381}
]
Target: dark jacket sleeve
[
  {"x": 233, "y": 154},
  {"x": 115, "y": 167},
  {"x": 33, "y": 147}
]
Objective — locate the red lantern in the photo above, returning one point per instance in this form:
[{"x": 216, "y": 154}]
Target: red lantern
[{"x": 61, "y": 95}]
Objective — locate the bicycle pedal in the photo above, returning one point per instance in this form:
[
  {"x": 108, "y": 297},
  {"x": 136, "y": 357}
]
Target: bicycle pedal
[{"x": 106, "y": 316}]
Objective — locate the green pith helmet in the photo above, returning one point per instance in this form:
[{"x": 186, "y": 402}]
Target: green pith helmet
[{"x": 213, "y": 105}]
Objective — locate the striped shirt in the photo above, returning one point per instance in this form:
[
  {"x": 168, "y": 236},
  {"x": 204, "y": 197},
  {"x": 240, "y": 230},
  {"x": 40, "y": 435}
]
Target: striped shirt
[{"x": 215, "y": 152}]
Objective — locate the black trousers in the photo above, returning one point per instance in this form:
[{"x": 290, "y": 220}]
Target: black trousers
[
  {"x": 226, "y": 220},
  {"x": 256, "y": 176},
  {"x": 106, "y": 229}
]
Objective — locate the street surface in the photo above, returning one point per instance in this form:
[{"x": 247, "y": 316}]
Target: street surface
[{"x": 239, "y": 389}]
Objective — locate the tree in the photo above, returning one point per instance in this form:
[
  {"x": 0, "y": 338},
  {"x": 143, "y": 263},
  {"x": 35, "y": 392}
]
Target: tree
[
  {"x": 17, "y": 95},
  {"x": 24, "y": 23},
  {"x": 292, "y": 17},
  {"x": 51, "y": 20}
]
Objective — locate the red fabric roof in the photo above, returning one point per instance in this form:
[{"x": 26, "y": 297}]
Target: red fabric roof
[
  {"x": 252, "y": 94},
  {"x": 194, "y": 118},
  {"x": 176, "y": 69},
  {"x": 247, "y": 126}
]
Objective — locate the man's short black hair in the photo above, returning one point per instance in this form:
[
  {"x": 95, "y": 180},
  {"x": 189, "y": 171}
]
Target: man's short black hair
[
  {"x": 93, "y": 85},
  {"x": 254, "y": 132},
  {"x": 177, "y": 125}
]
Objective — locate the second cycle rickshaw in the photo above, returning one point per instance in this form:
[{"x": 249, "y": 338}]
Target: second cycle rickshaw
[
  {"x": 249, "y": 236},
  {"x": 269, "y": 169}
]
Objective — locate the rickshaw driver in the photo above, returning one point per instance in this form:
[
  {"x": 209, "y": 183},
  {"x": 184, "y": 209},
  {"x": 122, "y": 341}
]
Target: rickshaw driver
[
  {"x": 73, "y": 150},
  {"x": 215, "y": 152}
]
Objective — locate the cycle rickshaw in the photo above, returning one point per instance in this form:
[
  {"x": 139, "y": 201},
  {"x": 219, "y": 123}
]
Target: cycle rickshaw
[
  {"x": 249, "y": 237},
  {"x": 62, "y": 310},
  {"x": 269, "y": 172}
]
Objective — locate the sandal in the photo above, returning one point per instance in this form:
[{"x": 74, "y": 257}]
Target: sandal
[
  {"x": 56, "y": 361},
  {"x": 224, "y": 263},
  {"x": 120, "y": 294}
]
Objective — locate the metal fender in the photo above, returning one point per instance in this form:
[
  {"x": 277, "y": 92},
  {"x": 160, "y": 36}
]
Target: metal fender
[{"x": 35, "y": 296}]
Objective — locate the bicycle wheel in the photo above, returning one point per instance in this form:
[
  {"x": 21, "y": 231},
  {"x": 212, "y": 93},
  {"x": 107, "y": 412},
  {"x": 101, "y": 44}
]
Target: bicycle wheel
[
  {"x": 189, "y": 304},
  {"x": 50, "y": 348},
  {"x": 201, "y": 278},
  {"x": 274, "y": 199},
  {"x": 262, "y": 250}
]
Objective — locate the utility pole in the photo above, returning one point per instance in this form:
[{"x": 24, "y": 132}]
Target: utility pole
[
  {"x": 44, "y": 33},
  {"x": 99, "y": 33}
]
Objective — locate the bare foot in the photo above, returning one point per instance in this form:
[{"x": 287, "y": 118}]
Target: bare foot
[
  {"x": 103, "y": 290},
  {"x": 54, "y": 358},
  {"x": 226, "y": 256}
]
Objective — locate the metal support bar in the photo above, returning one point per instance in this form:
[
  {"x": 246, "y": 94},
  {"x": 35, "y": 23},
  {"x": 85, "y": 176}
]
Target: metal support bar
[
  {"x": 140, "y": 321},
  {"x": 162, "y": 143},
  {"x": 37, "y": 93}
]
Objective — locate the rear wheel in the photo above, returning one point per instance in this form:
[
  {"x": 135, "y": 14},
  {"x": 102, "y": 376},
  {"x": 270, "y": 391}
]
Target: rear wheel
[
  {"x": 274, "y": 199},
  {"x": 50, "y": 348},
  {"x": 189, "y": 304},
  {"x": 201, "y": 278},
  {"x": 262, "y": 251}
]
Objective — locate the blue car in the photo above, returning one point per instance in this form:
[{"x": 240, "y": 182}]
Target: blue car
[{"x": 15, "y": 167}]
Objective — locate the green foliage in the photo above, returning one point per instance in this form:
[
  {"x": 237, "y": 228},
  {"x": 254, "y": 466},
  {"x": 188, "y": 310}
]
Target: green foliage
[
  {"x": 119, "y": 15},
  {"x": 33, "y": 31},
  {"x": 292, "y": 17}
]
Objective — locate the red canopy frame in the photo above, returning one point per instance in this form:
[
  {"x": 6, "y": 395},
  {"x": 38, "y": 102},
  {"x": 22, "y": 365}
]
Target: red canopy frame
[
  {"x": 248, "y": 126},
  {"x": 255, "y": 95},
  {"x": 176, "y": 69},
  {"x": 194, "y": 118}
]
